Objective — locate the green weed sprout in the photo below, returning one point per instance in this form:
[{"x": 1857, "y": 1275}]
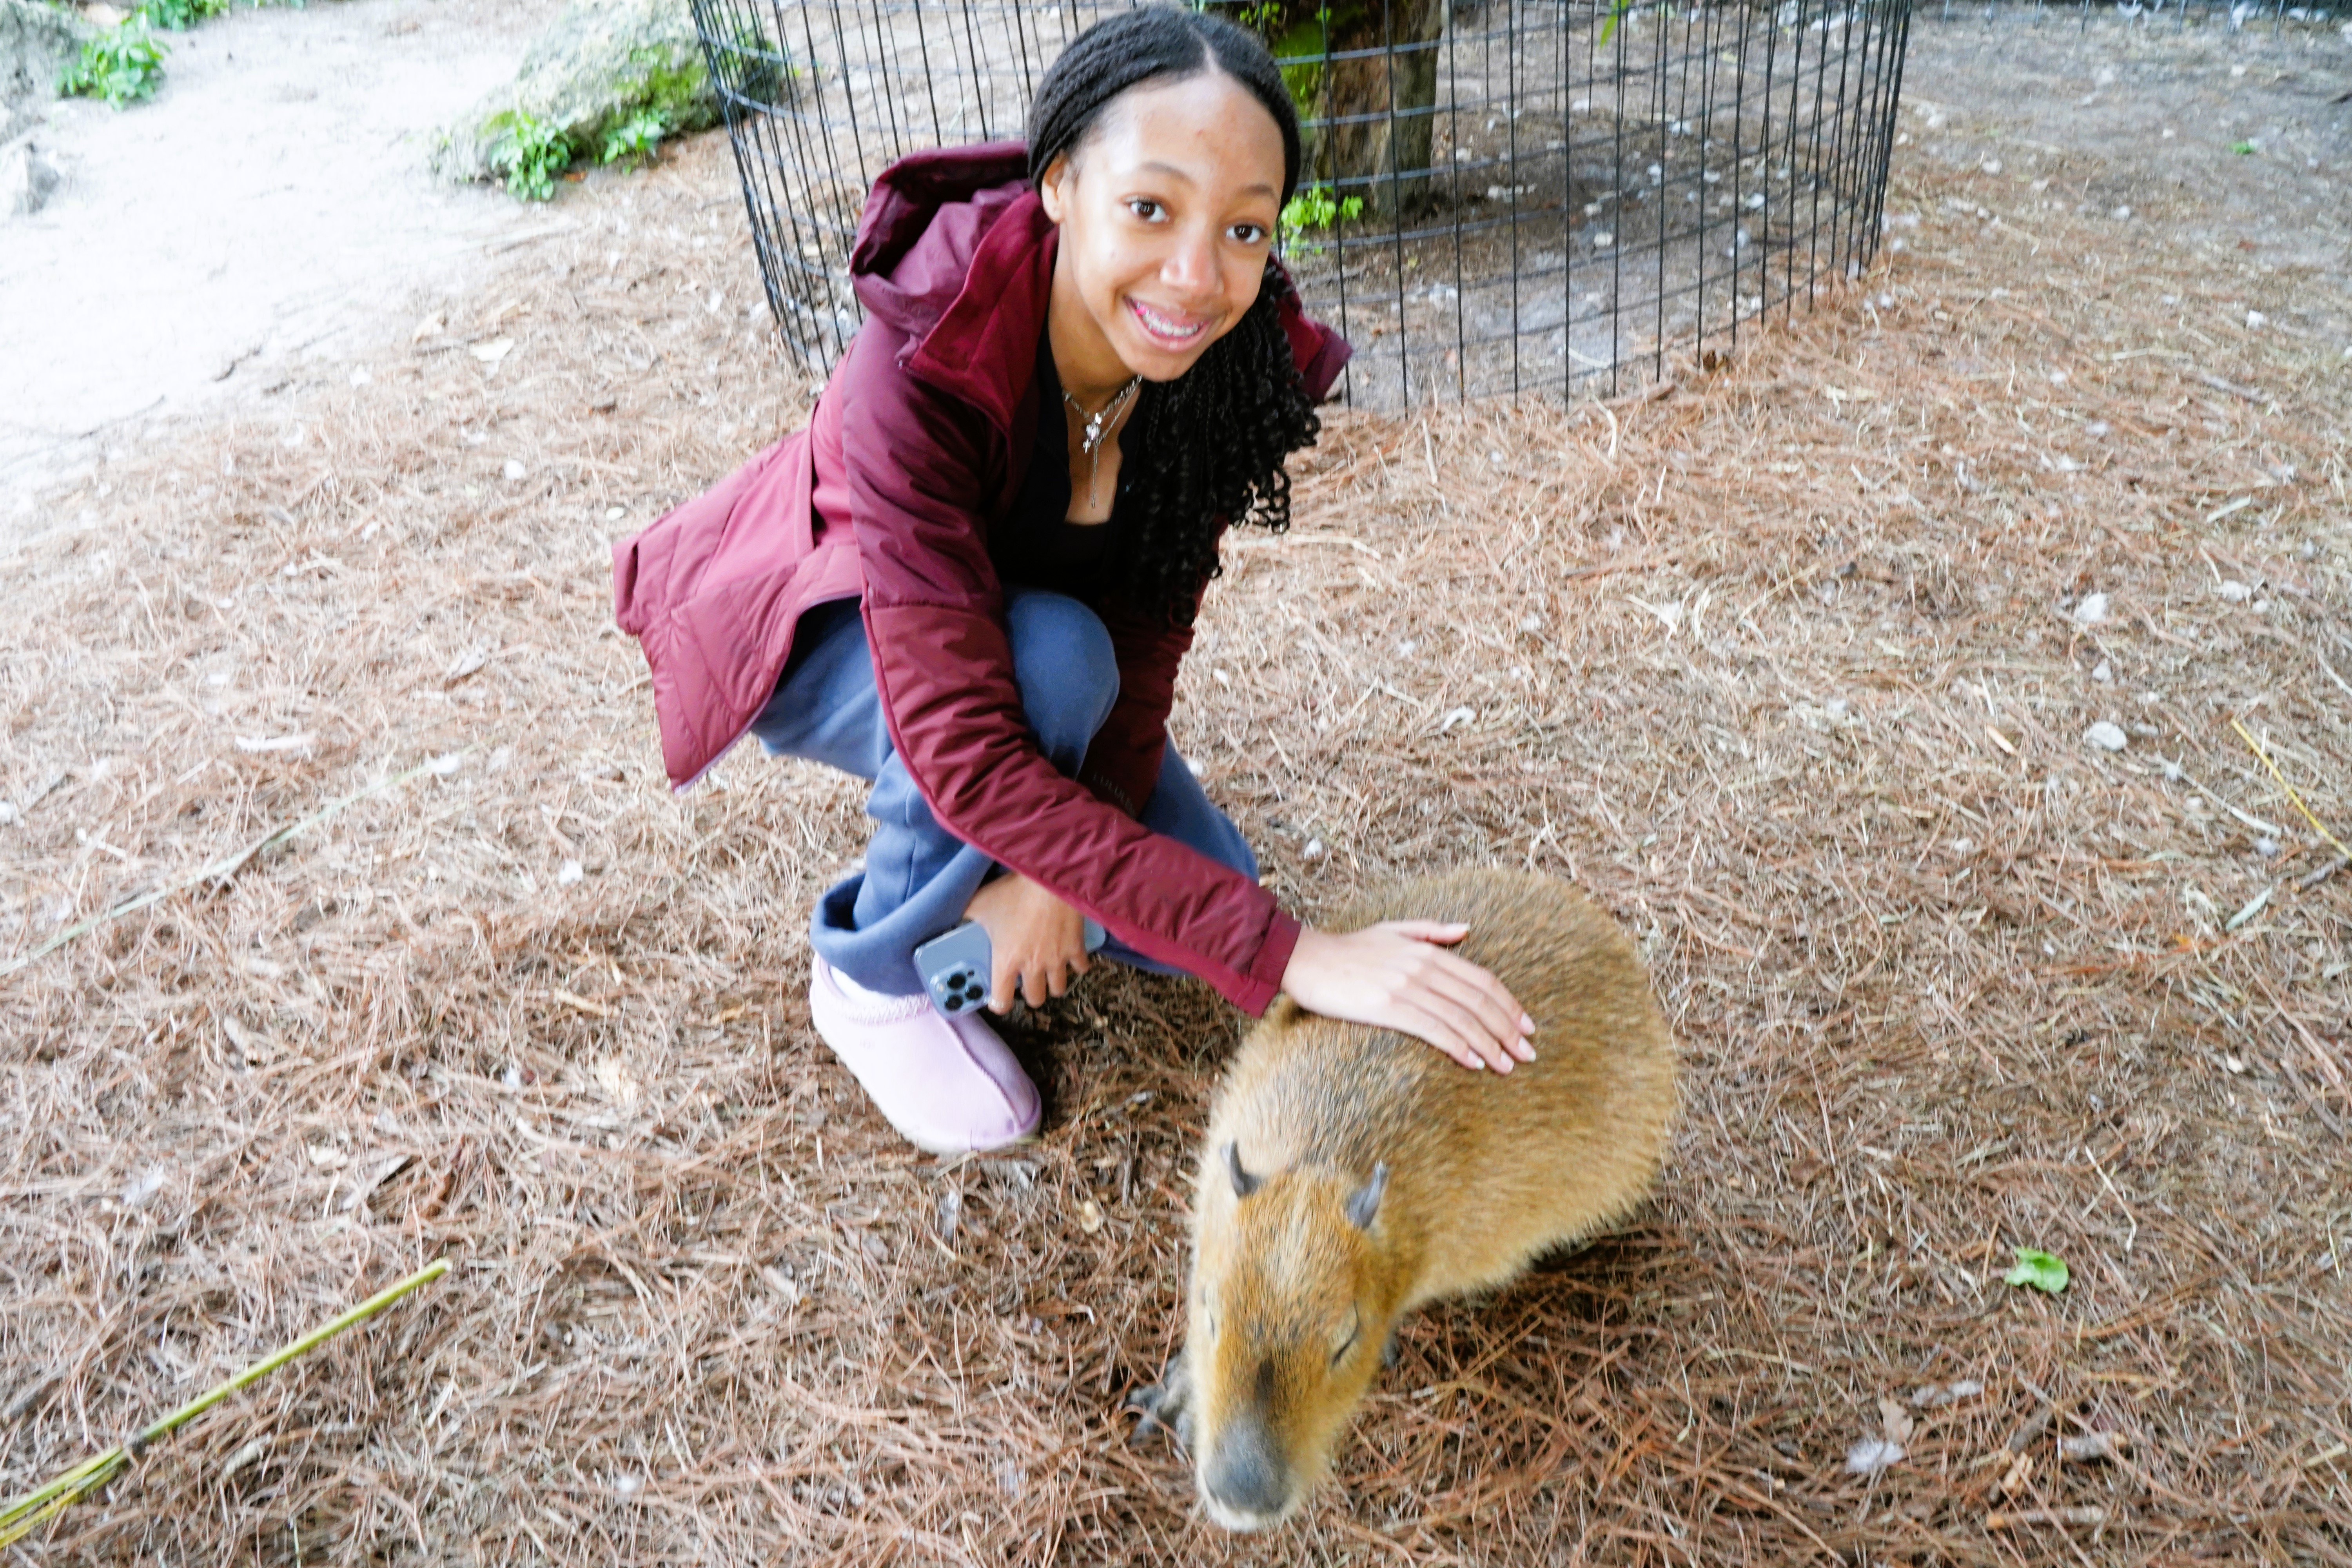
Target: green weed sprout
[
  {"x": 2042, "y": 1271},
  {"x": 1310, "y": 212},
  {"x": 634, "y": 139},
  {"x": 534, "y": 154},
  {"x": 179, "y": 15},
  {"x": 35, "y": 1509},
  {"x": 121, "y": 65}
]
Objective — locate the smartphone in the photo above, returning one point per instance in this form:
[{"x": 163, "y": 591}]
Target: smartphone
[{"x": 955, "y": 965}]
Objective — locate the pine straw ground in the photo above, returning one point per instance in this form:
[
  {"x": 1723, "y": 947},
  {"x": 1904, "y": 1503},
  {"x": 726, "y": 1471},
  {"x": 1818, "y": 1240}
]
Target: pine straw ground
[{"x": 1782, "y": 665}]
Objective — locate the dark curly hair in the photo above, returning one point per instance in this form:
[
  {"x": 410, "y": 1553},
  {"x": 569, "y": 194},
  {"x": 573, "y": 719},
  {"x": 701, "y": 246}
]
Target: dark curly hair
[{"x": 1214, "y": 441}]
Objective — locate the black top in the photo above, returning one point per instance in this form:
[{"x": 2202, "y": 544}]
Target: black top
[{"x": 1038, "y": 546}]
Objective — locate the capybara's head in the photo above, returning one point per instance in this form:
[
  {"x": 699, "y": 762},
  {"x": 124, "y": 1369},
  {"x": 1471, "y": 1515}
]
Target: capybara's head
[{"x": 1289, "y": 1321}]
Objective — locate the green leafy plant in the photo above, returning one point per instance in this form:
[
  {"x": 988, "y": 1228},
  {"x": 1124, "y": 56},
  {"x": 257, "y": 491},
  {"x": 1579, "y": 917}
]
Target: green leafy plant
[
  {"x": 121, "y": 65},
  {"x": 634, "y": 139},
  {"x": 1311, "y": 212},
  {"x": 2243, "y": 149},
  {"x": 179, "y": 15},
  {"x": 534, "y": 154},
  {"x": 2039, "y": 1270}
]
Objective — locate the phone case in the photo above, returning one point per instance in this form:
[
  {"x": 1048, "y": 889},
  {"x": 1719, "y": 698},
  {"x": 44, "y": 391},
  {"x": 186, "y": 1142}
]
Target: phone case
[{"x": 955, "y": 965}]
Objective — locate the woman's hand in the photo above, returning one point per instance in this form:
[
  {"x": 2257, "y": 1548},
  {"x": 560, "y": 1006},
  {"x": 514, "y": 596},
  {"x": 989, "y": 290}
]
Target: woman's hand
[
  {"x": 1399, "y": 975},
  {"x": 1036, "y": 942}
]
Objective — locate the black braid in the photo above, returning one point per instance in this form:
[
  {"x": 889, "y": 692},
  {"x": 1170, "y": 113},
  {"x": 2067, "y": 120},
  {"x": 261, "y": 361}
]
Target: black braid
[
  {"x": 1214, "y": 444},
  {"x": 1214, "y": 441}
]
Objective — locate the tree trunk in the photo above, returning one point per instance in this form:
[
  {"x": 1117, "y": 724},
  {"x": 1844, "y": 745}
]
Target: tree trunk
[{"x": 1379, "y": 112}]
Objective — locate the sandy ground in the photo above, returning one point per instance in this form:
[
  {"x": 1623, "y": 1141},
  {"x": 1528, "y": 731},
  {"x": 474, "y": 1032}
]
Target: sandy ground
[{"x": 270, "y": 203}]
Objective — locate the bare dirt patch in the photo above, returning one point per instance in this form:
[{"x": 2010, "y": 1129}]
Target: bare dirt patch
[
  {"x": 1793, "y": 667},
  {"x": 271, "y": 203}
]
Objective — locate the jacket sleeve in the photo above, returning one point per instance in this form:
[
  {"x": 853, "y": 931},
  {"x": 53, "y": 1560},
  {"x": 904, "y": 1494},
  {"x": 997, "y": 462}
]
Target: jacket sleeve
[{"x": 944, "y": 671}]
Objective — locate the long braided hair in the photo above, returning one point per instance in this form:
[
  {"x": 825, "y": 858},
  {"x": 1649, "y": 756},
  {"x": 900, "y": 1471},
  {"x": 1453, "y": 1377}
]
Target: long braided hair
[{"x": 1215, "y": 439}]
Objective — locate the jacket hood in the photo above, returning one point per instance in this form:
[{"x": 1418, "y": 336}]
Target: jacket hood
[
  {"x": 924, "y": 219},
  {"x": 955, "y": 255}
]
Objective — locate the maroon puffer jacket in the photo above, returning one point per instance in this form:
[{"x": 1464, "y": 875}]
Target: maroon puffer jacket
[{"x": 954, "y": 263}]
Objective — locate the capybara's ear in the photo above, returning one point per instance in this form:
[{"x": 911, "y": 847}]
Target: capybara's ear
[
  {"x": 1244, "y": 1183},
  {"x": 1364, "y": 1202}
]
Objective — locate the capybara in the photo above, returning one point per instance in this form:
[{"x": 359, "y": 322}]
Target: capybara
[{"x": 1352, "y": 1173}]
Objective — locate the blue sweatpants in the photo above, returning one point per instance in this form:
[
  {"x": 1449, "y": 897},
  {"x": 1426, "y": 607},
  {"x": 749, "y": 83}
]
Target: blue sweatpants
[{"x": 918, "y": 876}]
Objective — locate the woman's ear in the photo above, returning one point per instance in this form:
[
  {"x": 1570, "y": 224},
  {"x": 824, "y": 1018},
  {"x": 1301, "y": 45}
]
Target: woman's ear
[{"x": 1053, "y": 189}]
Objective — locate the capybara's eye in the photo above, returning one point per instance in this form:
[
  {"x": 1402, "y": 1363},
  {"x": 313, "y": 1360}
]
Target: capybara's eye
[{"x": 1347, "y": 1341}]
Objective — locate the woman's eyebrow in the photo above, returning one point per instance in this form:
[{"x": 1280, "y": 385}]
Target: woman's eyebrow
[{"x": 1154, "y": 166}]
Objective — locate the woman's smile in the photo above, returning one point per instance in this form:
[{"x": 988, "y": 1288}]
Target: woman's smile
[{"x": 1177, "y": 330}]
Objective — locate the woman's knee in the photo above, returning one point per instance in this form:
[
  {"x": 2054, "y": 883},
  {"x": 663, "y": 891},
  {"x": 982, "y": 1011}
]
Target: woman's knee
[{"x": 1064, "y": 665}]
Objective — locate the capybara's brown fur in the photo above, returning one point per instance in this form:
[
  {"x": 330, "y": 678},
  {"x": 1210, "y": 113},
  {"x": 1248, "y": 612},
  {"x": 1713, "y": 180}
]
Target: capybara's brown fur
[{"x": 1352, "y": 1173}]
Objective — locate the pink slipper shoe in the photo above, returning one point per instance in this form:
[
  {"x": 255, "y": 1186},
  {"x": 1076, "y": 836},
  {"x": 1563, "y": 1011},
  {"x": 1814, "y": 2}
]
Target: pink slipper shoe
[{"x": 947, "y": 1084}]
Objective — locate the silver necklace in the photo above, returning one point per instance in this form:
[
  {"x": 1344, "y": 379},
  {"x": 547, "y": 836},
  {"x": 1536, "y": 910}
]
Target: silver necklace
[{"x": 1097, "y": 428}]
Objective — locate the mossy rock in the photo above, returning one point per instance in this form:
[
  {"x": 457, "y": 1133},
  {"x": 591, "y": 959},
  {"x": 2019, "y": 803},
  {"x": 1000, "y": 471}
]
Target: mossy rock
[
  {"x": 37, "y": 42},
  {"x": 602, "y": 64}
]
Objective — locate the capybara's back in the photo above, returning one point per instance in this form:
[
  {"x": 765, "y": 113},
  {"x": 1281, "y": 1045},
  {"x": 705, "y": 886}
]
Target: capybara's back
[
  {"x": 1352, "y": 1173},
  {"x": 1499, "y": 1166}
]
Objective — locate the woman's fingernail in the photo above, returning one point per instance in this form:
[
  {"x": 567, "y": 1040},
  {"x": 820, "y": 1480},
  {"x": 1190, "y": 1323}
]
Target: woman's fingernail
[
  {"x": 1504, "y": 1065},
  {"x": 1526, "y": 1025},
  {"x": 1475, "y": 1065}
]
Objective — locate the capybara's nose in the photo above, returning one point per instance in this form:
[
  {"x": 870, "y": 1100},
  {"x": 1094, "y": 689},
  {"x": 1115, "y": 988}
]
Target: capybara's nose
[{"x": 1246, "y": 1476}]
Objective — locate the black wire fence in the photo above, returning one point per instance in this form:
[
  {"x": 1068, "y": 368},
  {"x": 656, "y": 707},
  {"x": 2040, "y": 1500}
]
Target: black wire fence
[{"x": 1498, "y": 198}]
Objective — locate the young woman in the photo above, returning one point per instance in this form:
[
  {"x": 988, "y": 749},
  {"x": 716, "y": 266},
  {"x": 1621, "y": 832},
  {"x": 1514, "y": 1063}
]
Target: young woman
[{"x": 973, "y": 578}]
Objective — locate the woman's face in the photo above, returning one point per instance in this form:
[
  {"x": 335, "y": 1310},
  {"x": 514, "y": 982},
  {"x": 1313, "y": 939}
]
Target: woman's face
[{"x": 1167, "y": 209}]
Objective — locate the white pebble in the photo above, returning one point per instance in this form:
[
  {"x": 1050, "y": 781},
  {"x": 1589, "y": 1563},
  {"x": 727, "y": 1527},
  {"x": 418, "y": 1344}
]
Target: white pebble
[
  {"x": 2105, "y": 673},
  {"x": 514, "y": 469},
  {"x": 569, "y": 872},
  {"x": 2106, "y": 737},
  {"x": 1314, "y": 849},
  {"x": 2092, "y": 610},
  {"x": 2256, "y": 320},
  {"x": 2267, "y": 847},
  {"x": 2237, "y": 593}
]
